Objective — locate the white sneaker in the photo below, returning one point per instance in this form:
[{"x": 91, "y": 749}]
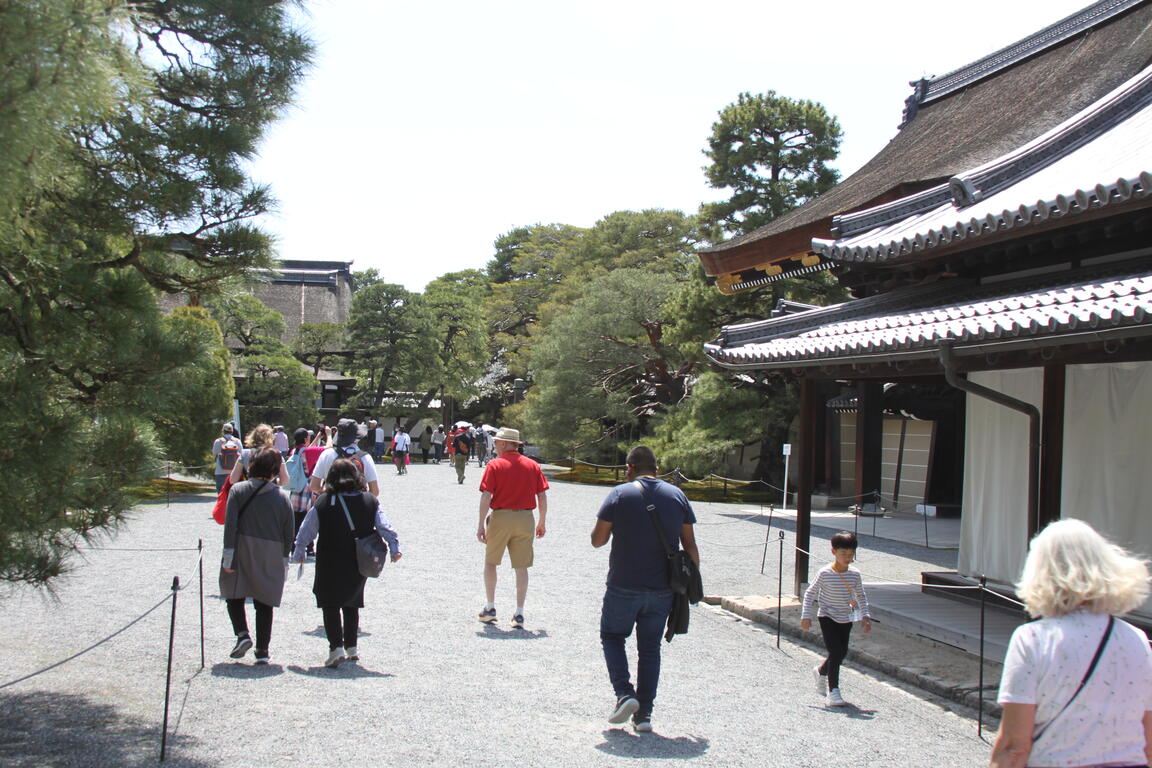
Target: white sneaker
[
  {"x": 835, "y": 699},
  {"x": 335, "y": 656},
  {"x": 352, "y": 653},
  {"x": 821, "y": 682}
]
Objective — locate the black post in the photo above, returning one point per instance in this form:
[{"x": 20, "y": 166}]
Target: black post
[
  {"x": 780, "y": 591},
  {"x": 200, "y": 547},
  {"x": 980, "y": 676},
  {"x": 168, "y": 680},
  {"x": 764, "y": 557}
]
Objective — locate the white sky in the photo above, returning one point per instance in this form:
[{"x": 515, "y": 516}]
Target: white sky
[{"x": 428, "y": 129}]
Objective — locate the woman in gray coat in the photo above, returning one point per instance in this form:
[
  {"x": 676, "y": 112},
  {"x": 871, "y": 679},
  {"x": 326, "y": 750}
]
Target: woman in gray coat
[{"x": 258, "y": 535}]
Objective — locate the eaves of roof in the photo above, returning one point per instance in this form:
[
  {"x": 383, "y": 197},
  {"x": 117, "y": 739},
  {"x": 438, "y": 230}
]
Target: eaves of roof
[
  {"x": 1120, "y": 307},
  {"x": 1100, "y": 157},
  {"x": 965, "y": 128}
]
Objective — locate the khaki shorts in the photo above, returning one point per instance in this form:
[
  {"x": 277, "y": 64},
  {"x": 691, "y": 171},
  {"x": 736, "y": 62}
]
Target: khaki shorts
[{"x": 514, "y": 530}]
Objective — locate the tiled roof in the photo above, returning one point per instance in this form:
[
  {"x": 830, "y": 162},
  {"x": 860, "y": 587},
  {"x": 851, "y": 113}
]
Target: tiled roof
[
  {"x": 1094, "y": 306},
  {"x": 1100, "y": 157}
]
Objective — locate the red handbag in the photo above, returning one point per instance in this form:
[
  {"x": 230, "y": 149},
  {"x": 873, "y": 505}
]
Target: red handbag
[{"x": 221, "y": 507}]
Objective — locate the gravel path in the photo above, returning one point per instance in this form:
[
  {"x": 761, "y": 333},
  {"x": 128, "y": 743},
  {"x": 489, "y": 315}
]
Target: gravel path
[{"x": 435, "y": 687}]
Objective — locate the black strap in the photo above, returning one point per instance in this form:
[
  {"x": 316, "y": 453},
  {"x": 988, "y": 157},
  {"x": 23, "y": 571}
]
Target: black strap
[
  {"x": 246, "y": 502},
  {"x": 652, "y": 514},
  {"x": 1084, "y": 681}
]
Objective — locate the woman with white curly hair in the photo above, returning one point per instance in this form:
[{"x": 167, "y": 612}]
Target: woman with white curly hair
[{"x": 1077, "y": 684}]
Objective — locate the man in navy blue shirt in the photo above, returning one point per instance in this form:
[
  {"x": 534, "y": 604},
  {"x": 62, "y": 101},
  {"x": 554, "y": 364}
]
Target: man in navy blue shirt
[{"x": 638, "y": 594}]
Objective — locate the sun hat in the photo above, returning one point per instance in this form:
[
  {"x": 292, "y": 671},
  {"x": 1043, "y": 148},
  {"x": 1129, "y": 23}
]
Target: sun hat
[
  {"x": 508, "y": 435},
  {"x": 347, "y": 432}
]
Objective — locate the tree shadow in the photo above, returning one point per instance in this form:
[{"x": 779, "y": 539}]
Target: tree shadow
[
  {"x": 621, "y": 743},
  {"x": 492, "y": 632},
  {"x": 63, "y": 730}
]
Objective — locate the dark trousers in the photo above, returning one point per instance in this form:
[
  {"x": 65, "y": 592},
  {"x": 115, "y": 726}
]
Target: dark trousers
[
  {"x": 341, "y": 634},
  {"x": 648, "y": 612},
  {"x": 836, "y": 641},
  {"x": 239, "y": 618}
]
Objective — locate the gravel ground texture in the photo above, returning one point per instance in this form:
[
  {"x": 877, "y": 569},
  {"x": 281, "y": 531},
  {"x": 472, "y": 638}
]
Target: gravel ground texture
[{"x": 435, "y": 687}]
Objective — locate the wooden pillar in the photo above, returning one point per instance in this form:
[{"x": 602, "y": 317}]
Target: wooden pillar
[
  {"x": 1052, "y": 446},
  {"x": 809, "y": 402},
  {"x": 869, "y": 438}
]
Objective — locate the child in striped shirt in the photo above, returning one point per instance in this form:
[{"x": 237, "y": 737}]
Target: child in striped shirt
[{"x": 840, "y": 591}]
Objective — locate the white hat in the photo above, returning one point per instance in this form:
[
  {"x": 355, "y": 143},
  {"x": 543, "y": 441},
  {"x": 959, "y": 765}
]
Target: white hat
[{"x": 509, "y": 435}]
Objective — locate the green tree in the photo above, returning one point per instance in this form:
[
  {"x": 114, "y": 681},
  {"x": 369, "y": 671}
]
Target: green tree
[
  {"x": 604, "y": 365},
  {"x": 318, "y": 343},
  {"x": 204, "y": 386},
  {"x": 274, "y": 387},
  {"x": 388, "y": 329},
  {"x": 458, "y": 339},
  {"x": 773, "y": 153},
  {"x": 124, "y": 128}
]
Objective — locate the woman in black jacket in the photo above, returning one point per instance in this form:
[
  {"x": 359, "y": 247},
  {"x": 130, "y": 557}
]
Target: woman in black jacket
[{"x": 339, "y": 586}]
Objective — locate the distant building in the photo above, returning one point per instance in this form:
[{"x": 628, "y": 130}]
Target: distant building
[{"x": 307, "y": 292}]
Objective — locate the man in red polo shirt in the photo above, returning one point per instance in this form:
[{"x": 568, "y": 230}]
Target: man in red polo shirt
[{"x": 512, "y": 486}]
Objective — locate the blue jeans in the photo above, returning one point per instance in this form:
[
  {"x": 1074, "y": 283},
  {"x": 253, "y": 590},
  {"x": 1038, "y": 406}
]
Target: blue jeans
[{"x": 648, "y": 612}]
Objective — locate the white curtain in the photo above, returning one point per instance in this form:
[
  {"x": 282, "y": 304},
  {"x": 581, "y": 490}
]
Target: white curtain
[
  {"x": 1107, "y": 470},
  {"x": 994, "y": 521}
]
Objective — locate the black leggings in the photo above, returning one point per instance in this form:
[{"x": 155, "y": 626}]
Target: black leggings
[
  {"x": 240, "y": 620},
  {"x": 836, "y": 641},
  {"x": 341, "y": 634}
]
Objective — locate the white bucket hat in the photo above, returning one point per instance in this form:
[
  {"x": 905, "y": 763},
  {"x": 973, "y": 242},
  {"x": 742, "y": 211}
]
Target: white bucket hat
[{"x": 509, "y": 435}]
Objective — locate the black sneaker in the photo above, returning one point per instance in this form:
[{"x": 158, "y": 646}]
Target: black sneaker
[
  {"x": 487, "y": 615},
  {"x": 518, "y": 621},
  {"x": 626, "y": 706},
  {"x": 243, "y": 643},
  {"x": 642, "y": 722},
  {"x": 262, "y": 656}
]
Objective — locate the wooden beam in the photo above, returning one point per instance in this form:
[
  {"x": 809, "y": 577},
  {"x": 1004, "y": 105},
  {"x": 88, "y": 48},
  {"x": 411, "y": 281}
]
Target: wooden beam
[
  {"x": 1051, "y": 444},
  {"x": 809, "y": 402}
]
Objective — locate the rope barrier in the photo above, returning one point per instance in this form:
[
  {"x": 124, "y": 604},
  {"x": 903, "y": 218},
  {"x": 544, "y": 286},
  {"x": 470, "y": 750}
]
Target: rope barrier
[
  {"x": 95, "y": 645},
  {"x": 137, "y": 549}
]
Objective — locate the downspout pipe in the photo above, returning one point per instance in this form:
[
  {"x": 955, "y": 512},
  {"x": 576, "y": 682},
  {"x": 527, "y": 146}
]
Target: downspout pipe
[{"x": 1026, "y": 408}]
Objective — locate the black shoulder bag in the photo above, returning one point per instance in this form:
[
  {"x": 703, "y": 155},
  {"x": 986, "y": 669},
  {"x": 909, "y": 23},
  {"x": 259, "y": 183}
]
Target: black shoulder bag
[
  {"x": 1088, "y": 674},
  {"x": 683, "y": 574},
  {"x": 371, "y": 550}
]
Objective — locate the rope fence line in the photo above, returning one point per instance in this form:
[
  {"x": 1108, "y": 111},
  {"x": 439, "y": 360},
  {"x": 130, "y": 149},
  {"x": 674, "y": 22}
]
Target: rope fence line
[
  {"x": 92, "y": 647},
  {"x": 197, "y": 569}
]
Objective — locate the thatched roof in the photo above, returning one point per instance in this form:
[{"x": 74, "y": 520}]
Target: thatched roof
[{"x": 967, "y": 118}]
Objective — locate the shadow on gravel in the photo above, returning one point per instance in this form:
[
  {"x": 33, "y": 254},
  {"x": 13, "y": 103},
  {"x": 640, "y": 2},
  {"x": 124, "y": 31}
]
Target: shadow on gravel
[
  {"x": 850, "y": 711},
  {"x": 62, "y": 730},
  {"x": 495, "y": 633},
  {"x": 621, "y": 743},
  {"x": 319, "y": 632},
  {"x": 343, "y": 671},
  {"x": 238, "y": 670}
]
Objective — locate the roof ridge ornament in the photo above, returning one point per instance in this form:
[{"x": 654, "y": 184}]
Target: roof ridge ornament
[{"x": 928, "y": 90}]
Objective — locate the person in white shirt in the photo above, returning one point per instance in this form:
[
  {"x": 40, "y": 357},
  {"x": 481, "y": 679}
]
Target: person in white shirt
[
  {"x": 840, "y": 591},
  {"x": 400, "y": 446},
  {"x": 1077, "y": 684}
]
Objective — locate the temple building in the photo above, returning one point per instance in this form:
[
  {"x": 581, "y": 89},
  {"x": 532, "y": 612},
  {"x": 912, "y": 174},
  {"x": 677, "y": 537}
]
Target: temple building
[{"x": 995, "y": 360}]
